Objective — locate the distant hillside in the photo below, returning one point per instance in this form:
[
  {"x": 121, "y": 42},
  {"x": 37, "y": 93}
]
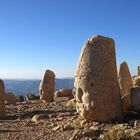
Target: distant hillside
[{"x": 21, "y": 87}]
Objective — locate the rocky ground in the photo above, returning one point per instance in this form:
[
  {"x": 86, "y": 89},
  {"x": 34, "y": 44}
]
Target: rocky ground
[{"x": 35, "y": 120}]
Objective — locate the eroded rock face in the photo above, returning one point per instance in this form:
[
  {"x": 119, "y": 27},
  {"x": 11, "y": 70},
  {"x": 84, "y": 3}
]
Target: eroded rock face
[
  {"x": 47, "y": 85},
  {"x": 97, "y": 88},
  {"x": 126, "y": 83},
  {"x": 125, "y": 79},
  {"x": 2, "y": 99}
]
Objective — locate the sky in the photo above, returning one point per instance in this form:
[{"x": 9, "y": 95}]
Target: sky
[{"x": 36, "y": 35}]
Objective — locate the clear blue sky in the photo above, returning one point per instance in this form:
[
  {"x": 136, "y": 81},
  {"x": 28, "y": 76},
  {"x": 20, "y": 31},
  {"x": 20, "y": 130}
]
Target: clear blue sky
[{"x": 48, "y": 34}]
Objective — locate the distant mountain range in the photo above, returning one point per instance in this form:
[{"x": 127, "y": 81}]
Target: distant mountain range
[{"x": 22, "y": 87}]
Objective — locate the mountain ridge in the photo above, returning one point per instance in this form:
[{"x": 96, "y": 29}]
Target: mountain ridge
[{"x": 25, "y": 86}]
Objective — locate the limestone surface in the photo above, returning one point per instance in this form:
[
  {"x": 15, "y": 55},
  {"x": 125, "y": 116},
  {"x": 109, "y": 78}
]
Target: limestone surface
[
  {"x": 46, "y": 88},
  {"x": 97, "y": 88}
]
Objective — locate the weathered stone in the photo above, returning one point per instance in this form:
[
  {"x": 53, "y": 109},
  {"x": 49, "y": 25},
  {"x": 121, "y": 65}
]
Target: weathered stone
[
  {"x": 57, "y": 128},
  {"x": 86, "y": 133},
  {"x": 2, "y": 105},
  {"x": 31, "y": 96},
  {"x": 68, "y": 127},
  {"x": 135, "y": 99},
  {"x": 10, "y": 98},
  {"x": 126, "y": 102},
  {"x": 2, "y": 87},
  {"x": 97, "y": 88},
  {"x": 64, "y": 93},
  {"x": 125, "y": 79},
  {"x": 2, "y": 99},
  {"x": 137, "y": 81},
  {"x": 37, "y": 118},
  {"x": 47, "y": 85}
]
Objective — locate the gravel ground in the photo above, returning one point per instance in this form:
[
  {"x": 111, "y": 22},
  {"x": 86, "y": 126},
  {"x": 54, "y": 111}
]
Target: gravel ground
[{"x": 35, "y": 120}]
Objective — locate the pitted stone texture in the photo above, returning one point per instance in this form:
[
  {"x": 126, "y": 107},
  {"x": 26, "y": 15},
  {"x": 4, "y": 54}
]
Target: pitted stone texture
[
  {"x": 97, "y": 88},
  {"x": 2, "y": 99},
  {"x": 47, "y": 85},
  {"x": 125, "y": 79}
]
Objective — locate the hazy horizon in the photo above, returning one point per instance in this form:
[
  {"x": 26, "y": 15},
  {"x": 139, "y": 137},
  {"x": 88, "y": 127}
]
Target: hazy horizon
[{"x": 39, "y": 35}]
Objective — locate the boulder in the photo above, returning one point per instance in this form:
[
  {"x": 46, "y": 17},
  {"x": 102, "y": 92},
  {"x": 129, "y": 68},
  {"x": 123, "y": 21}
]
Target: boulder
[
  {"x": 31, "y": 96},
  {"x": 64, "y": 93},
  {"x": 2, "y": 87},
  {"x": 46, "y": 88},
  {"x": 97, "y": 89},
  {"x": 125, "y": 79},
  {"x": 10, "y": 98}
]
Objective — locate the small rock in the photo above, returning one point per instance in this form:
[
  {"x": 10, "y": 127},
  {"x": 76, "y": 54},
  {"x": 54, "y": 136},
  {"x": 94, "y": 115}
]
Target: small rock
[
  {"x": 68, "y": 127},
  {"x": 59, "y": 119},
  {"x": 56, "y": 128},
  {"x": 71, "y": 104},
  {"x": 37, "y": 118},
  {"x": 83, "y": 122}
]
